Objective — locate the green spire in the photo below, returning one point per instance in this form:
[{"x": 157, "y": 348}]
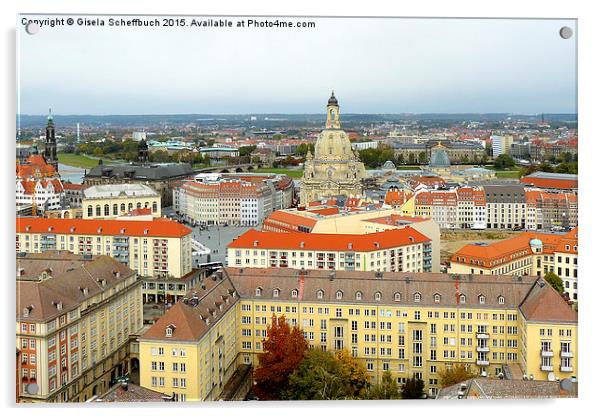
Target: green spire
[{"x": 49, "y": 114}]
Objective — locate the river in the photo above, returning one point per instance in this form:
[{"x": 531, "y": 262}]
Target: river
[{"x": 71, "y": 173}]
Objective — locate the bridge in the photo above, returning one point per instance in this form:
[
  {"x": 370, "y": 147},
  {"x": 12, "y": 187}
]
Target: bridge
[{"x": 245, "y": 167}]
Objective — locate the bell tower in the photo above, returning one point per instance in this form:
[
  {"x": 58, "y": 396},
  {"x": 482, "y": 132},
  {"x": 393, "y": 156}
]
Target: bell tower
[
  {"x": 50, "y": 144},
  {"x": 332, "y": 113}
]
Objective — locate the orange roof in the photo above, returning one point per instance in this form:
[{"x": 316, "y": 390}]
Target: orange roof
[
  {"x": 396, "y": 197},
  {"x": 544, "y": 304},
  {"x": 30, "y": 185},
  {"x": 289, "y": 219},
  {"x": 158, "y": 227},
  {"x": 335, "y": 242},
  {"x": 568, "y": 243},
  {"x": 139, "y": 211},
  {"x": 73, "y": 186},
  {"x": 393, "y": 219},
  {"x": 326, "y": 211},
  {"x": 496, "y": 254},
  {"x": 550, "y": 183},
  {"x": 32, "y": 164}
]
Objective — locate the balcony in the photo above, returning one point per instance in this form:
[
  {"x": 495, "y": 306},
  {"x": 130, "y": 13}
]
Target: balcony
[
  {"x": 547, "y": 353},
  {"x": 566, "y": 354},
  {"x": 482, "y": 335},
  {"x": 482, "y": 363},
  {"x": 547, "y": 368},
  {"x": 565, "y": 369},
  {"x": 482, "y": 348}
]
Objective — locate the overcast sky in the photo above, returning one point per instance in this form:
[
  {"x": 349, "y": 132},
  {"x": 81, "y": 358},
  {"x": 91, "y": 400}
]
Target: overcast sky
[{"x": 374, "y": 66}]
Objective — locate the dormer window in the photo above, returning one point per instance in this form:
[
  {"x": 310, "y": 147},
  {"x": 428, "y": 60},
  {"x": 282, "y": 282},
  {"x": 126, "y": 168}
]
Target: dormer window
[
  {"x": 437, "y": 298},
  {"x": 378, "y": 296},
  {"x": 339, "y": 295},
  {"x": 358, "y": 295},
  {"x": 294, "y": 293},
  {"x": 501, "y": 300},
  {"x": 481, "y": 299},
  {"x": 258, "y": 291},
  {"x": 397, "y": 297},
  {"x": 417, "y": 297},
  {"x": 462, "y": 298},
  {"x": 320, "y": 294},
  {"x": 275, "y": 293},
  {"x": 169, "y": 330}
]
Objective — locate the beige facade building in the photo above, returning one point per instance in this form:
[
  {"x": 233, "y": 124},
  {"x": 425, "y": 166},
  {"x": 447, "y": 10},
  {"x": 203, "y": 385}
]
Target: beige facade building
[
  {"x": 74, "y": 318},
  {"x": 335, "y": 169},
  {"x": 114, "y": 200}
]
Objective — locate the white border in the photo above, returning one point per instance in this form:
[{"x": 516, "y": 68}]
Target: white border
[{"x": 589, "y": 31}]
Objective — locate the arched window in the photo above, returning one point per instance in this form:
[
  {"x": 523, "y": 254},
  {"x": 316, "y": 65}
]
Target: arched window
[
  {"x": 138, "y": 205},
  {"x": 122, "y": 207},
  {"x": 320, "y": 294},
  {"x": 462, "y": 298},
  {"x": 90, "y": 211},
  {"x": 481, "y": 299},
  {"x": 98, "y": 213},
  {"x": 294, "y": 293},
  {"x": 339, "y": 295},
  {"x": 417, "y": 297},
  {"x": 115, "y": 209},
  {"x": 155, "y": 206},
  {"x": 276, "y": 293},
  {"x": 130, "y": 206},
  {"x": 501, "y": 300},
  {"x": 258, "y": 291},
  {"x": 358, "y": 295},
  {"x": 145, "y": 204},
  {"x": 397, "y": 297},
  {"x": 107, "y": 210},
  {"x": 437, "y": 298},
  {"x": 378, "y": 296}
]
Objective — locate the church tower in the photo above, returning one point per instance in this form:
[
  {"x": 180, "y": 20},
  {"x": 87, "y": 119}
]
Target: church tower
[
  {"x": 50, "y": 144},
  {"x": 334, "y": 169},
  {"x": 142, "y": 151}
]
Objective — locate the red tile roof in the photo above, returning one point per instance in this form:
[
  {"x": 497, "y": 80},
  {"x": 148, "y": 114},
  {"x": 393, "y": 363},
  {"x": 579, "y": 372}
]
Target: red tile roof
[
  {"x": 335, "y": 242},
  {"x": 288, "y": 221},
  {"x": 159, "y": 227},
  {"x": 550, "y": 183}
]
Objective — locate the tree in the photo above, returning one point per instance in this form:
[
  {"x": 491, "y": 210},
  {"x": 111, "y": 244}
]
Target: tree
[
  {"x": 456, "y": 374},
  {"x": 555, "y": 281},
  {"x": 246, "y": 150},
  {"x": 387, "y": 389},
  {"x": 324, "y": 375},
  {"x": 413, "y": 388},
  {"x": 503, "y": 161},
  {"x": 284, "y": 351},
  {"x": 400, "y": 159},
  {"x": 422, "y": 157}
]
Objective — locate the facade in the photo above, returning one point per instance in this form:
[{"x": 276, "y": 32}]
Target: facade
[
  {"x": 335, "y": 169},
  {"x": 401, "y": 250},
  {"x": 162, "y": 177},
  {"x": 74, "y": 194},
  {"x": 159, "y": 250},
  {"x": 115, "y": 200},
  {"x": 530, "y": 253},
  {"x": 217, "y": 199},
  {"x": 506, "y": 206},
  {"x": 546, "y": 210},
  {"x": 406, "y": 323},
  {"x": 38, "y": 184},
  {"x": 74, "y": 318},
  {"x": 456, "y": 152},
  {"x": 501, "y": 145}
]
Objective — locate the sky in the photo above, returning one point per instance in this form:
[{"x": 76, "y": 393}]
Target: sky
[{"x": 386, "y": 65}]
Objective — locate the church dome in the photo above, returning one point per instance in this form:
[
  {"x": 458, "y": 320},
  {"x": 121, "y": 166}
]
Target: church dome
[
  {"x": 439, "y": 157},
  {"x": 333, "y": 100}
]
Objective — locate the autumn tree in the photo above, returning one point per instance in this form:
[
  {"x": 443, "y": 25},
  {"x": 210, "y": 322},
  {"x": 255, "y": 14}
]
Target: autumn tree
[
  {"x": 555, "y": 281},
  {"x": 456, "y": 374},
  {"x": 284, "y": 351},
  {"x": 413, "y": 388},
  {"x": 387, "y": 389},
  {"x": 354, "y": 372}
]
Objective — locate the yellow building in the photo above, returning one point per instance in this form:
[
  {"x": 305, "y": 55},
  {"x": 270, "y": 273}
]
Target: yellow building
[
  {"x": 190, "y": 352},
  {"x": 401, "y": 249},
  {"x": 75, "y": 316},
  {"x": 114, "y": 200},
  {"x": 336, "y": 168},
  {"x": 407, "y": 323},
  {"x": 159, "y": 250}
]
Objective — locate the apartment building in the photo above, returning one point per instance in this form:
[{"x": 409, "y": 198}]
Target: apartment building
[
  {"x": 403, "y": 249},
  {"x": 440, "y": 205},
  {"x": 38, "y": 184},
  {"x": 115, "y": 200},
  {"x": 500, "y": 145},
  {"x": 159, "y": 250},
  {"x": 232, "y": 200},
  {"x": 406, "y": 323},
  {"x": 506, "y": 206},
  {"x": 74, "y": 319},
  {"x": 526, "y": 254},
  {"x": 546, "y": 210}
]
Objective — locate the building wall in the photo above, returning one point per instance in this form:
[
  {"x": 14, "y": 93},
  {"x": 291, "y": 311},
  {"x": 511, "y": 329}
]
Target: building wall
[{"x": 111, "y": 208}]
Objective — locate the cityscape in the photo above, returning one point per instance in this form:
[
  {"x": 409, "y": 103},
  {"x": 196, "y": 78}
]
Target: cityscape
[{"x": 318, "y": 255}]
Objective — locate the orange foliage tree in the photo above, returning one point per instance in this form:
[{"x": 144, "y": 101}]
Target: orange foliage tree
[{"x": 284, "y": 350}]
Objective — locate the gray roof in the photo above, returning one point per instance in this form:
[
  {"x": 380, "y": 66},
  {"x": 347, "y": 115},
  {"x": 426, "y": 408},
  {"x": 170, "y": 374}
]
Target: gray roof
[
  {"x": 549, "y": 175},
  {"x": 117, "y": 189},
  {"x": 159, "y": 171},
  {"x": 492, "y": 388},
  {"x": 505, "y": 193}
]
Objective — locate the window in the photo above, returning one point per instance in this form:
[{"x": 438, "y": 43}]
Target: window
[
  {"x": 320, "y": 294},
  {"x": 462, "y": 298},
  {"x": 481, "y": 299},
  {"x": 339, "y": 295},
  {"x": 501, "y": 300},
  {"x": 397, "y": 297},
  {"x": 294, "y": 293},
  {"x": 258, "y": 291},
  {"x": 437, "y": 298},
  {"x": 417, "y": 297},
  {"x": 358, "y": 295},
  {"x": 377, "y": 296},
  {"x": 276, "y": 293}
]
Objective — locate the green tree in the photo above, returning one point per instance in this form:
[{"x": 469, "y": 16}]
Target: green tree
[
  {"x": 456, "y": 374},
  {"x": 555, "y": 282},
  {"x": 422, "y": 157},
  {"x": 284, "y": 351},
  {"x": 98, "y": 151},
  {"x": 246, "y": 150},
  {"x": 413, "y": 388},
  {"x": 503, "y": 161},
  {"x": 387, "y": 389},
  {"x": 400, "y": 159}
]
